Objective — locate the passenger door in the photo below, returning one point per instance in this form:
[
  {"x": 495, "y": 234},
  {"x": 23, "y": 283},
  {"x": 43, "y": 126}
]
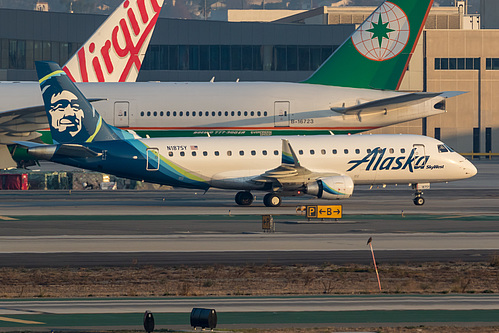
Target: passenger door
[
  {"x": 419, "y": 156},
  {"x": 121, "y": 113},
  {"x": 281, "y": 114}
]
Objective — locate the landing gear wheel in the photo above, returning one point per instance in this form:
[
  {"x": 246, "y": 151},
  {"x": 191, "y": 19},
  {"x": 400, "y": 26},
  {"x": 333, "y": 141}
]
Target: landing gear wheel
[
  {"x": 272, "y": 200},
  {"x": 244, "y": 198},
  {"x": 419, "y": 201}
]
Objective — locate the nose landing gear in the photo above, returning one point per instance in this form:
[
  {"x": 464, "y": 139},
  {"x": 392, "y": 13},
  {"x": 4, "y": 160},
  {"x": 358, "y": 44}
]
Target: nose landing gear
[{"x": 418, "y": 196}]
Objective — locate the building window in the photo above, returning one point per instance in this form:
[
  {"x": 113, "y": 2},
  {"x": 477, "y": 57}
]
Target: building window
[
  {"x": 488, "y": 139},
  {"x": 492, "y": 64},
  {"x": 457, "y": 63},
  {"x": 437, "y": 133}
]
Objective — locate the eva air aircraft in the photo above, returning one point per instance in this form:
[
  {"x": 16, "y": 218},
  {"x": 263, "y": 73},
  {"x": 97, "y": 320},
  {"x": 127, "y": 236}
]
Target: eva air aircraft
[
  {"x": 353, "y": 91},
  {"x": 326, "y": 167}
]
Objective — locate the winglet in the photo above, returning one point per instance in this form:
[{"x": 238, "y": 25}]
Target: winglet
[
  {"x": 114, "y": 53},
  {"x": 288, "y": 154}
]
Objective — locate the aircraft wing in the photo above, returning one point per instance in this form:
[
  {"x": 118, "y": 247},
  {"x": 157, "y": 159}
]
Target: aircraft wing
[
  {"x": 23, "y": 124},
  {"x": 290, "y": 174},
  {"x": 393, "y": 103}
]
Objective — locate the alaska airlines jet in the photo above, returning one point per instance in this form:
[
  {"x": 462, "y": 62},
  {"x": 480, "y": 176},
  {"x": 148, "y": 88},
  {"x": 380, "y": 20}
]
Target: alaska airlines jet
[
  {"x": 325, "y": 167},
  {"x": 350, "y": 93},
  {"x": 114, "y": 53}
]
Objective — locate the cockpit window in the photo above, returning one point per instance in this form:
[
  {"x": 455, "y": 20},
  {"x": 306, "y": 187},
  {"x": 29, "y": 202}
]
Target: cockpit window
[
  {"x": 449, "y": 148},
  {"x": 442, "y": 149}
]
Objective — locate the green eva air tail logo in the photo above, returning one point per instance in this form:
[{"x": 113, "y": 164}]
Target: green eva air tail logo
[{"x": 384, "y": 34}]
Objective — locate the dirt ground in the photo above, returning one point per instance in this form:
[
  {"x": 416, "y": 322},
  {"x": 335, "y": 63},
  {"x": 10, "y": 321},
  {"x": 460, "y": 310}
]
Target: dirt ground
[
  {"x": 251, "y": 280},
  {"x": 260, "y": 280}
]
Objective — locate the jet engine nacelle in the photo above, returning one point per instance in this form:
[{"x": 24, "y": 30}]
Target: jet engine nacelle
[{"x": 336, "y": 187}]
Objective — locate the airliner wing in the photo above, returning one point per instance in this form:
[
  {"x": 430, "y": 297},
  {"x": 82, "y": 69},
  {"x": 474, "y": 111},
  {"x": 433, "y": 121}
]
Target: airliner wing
[
  {"x": 290, "y": 174},
  {"x": 23, "y": 124},
  {"x": 393, "y": 103}
]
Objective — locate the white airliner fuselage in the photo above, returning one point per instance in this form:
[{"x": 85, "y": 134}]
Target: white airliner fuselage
[{"x": 159, "y": 109}]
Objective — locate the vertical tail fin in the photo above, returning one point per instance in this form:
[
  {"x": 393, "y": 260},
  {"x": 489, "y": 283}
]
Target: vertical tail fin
[
  {"x": 378, "y": 52},
  {"x": 114, "y": 53},
  {"x": 72, "y": 119}
]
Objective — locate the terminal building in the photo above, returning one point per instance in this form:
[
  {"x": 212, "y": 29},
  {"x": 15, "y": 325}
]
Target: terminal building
[{"x": 457, "y": 52}]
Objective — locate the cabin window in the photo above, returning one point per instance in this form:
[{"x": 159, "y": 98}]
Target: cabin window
[
  {"x": 161, "y": 114},
  {"x": 245, "y": 113},
  {"x": 232, "y": 113},
  {"x": 259, "y": 113},
  {"x": 392, "y": 150},
  {"x": 323, "y": 151},
  {"x": 182, "y": 153},
  {"x": 239, "y": 113},
  {"x": 300, "y": 152},
  {"x": 213, "y": 114},
  {"x": 402, "y": 150},
  {"x": 217, "y": 153},
  {"x": 276, "y": 152},
  {"x": 148, "y": 113},
  {"x": 369, "y": 151},
  {"x": 187, "y": 113},
  {"x": 241, "y": 152},
  {"x": 219, "y": 113},
  {"x": 174, "y": 113},
  {"x": 205, "y": 153},
  {"x": 142, "y": 114},
  {"x": 335, "y": 151},
  {"x": 229, "y": 153},
  {"x": 193, "y": 113},
  {"x": 226, "y": 113},
  {"x": 193, "y": 153},
  {"x": 252, "y": 113},
  {"x": 346, "y": 151},
  {"x": 170, "y": 153},
  {"x": 357, "y": 151},
  {"x": 264, "y": 153},
  {"x": 207, "y": 113},
  {"x": 265, "y": 113},
  {"x": 253, "y": 152},
  {"x": 167, "y": 113},
  {"x": 155, "y": 113},
  {"x": 200, "y": 113},
  {"x": 442, "y": 149},
  {"x": 312, "y": 152},
  {"x": 181, "y": 114}
]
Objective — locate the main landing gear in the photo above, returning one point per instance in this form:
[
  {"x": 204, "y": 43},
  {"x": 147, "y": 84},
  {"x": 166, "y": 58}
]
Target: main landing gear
[
  {"x": 272, "y": 200},
  {"x": 245, "y": 198}
]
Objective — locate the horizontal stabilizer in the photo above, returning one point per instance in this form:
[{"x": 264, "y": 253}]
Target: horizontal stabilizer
[
  {"x": 46, "y": 152},
  {"x": 76, "y": 150},
  {"x": 392, "y": 103}
]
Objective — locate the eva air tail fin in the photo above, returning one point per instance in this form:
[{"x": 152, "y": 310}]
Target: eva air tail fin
[
  {"x": 378, "y": 52},
  {"x": 71, "y": 117}
]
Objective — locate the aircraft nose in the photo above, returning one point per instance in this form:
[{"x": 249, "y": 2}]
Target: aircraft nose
[{"x": 469, "y": 169}]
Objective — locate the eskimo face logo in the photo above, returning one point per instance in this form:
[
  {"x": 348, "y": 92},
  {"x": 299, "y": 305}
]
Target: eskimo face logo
[
  {"x": 65, "y": 112},
  {"x": 384, "y": 34}
]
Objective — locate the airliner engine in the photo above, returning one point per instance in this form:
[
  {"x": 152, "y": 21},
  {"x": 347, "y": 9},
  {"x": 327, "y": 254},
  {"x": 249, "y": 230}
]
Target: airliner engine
[{"x": 336, "y": 187}]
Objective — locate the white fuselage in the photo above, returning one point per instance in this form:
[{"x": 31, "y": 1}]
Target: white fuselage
[
  {"x": 226, "y": 108},
  {"x": 233, "y": 163}
]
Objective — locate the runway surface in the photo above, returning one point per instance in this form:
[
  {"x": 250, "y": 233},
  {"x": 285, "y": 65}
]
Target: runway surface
[{"x": 246, "y": 312}]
